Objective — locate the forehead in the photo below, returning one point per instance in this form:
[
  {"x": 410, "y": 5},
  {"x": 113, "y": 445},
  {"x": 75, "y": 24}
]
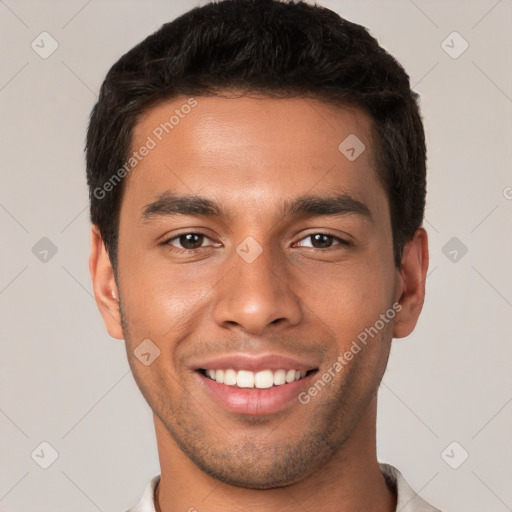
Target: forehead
[{"x": 251, "y": 150}]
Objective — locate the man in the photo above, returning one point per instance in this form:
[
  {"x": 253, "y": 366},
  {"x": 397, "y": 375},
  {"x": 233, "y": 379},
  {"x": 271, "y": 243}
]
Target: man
[{"x": 257, "y": 183}]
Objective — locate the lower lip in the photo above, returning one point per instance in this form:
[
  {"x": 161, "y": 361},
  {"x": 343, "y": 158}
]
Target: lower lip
[{"x": 254, "y": 401}]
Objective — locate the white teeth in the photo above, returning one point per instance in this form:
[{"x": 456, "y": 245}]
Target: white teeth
[
  {"x": 290, "y": 375},
  {"x": 245, "y": 379},
  {"x": 230, "y": 377},
  {"x": 263, "y": 379},
  {"x": 279, "y": 377}
]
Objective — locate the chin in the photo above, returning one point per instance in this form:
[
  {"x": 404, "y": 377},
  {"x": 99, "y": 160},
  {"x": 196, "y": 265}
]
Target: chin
[
  {"x": 257, "y": 480},
  {"x": 268, "y": 467}
]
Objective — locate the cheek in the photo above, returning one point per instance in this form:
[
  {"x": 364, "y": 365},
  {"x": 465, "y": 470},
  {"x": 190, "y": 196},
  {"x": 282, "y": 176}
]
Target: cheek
[
  {"x": 349, "y": 296},
  {"x": 158, "y": 297}
]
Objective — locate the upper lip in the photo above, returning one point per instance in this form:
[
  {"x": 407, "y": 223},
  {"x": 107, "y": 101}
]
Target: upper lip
[{"x": 255, "y": 363}]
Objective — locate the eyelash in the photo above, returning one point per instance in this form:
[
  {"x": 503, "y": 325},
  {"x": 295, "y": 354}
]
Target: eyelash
[{"x": 167, "y": 243}]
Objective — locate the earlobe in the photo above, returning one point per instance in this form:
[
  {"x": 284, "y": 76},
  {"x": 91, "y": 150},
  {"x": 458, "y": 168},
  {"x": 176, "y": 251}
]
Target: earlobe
[
  {"x": 411, "y": 283},
  {"x": 104, "y": 285}
]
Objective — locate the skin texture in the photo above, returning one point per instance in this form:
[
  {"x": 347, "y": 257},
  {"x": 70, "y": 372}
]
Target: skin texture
[{"x": 251, "y": 155}]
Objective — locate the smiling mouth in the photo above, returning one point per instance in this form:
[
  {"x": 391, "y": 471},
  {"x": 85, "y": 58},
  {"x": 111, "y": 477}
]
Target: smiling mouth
[{"x": 246, "y": 379}]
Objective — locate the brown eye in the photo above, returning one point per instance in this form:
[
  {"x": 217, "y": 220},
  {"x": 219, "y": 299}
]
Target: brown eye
[
  {"x": 322, "y": 241},
  {"x": 188, "y": 241}
]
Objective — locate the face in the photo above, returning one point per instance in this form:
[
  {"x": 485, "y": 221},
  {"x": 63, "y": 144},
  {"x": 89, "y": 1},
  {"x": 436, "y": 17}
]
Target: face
[{"x": 250, "y": 246}]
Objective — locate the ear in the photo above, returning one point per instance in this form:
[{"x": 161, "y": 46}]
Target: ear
[
  {"x": 104, "y": 285},
  {"x": 411, "y": 284}
]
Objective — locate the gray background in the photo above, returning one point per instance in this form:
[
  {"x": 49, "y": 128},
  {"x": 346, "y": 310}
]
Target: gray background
[{"x": 65, "y": 382}]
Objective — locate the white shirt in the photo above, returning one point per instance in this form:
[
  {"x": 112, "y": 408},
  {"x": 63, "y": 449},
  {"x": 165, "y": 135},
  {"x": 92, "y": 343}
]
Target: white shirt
[{"x": 408, "y": 500}]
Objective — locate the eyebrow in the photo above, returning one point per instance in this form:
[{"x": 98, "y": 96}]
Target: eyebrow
[{"x": 168, "y": 205}]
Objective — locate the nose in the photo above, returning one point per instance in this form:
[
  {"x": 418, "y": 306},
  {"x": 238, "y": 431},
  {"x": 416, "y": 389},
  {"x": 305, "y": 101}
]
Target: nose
[{"x": 254, "y": 296}]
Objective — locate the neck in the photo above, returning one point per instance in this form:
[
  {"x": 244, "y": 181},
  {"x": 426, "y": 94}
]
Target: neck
[{"x": 350, "y": 480}]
